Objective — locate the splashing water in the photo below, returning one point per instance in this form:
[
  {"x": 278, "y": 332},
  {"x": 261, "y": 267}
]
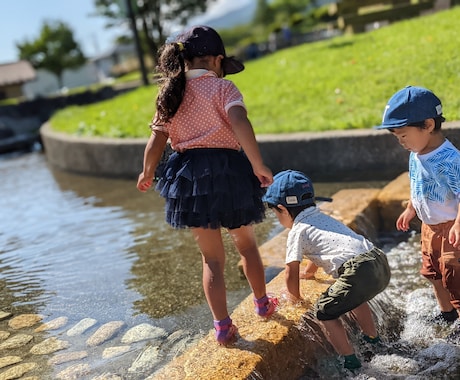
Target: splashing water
[{"x": 413, "y": 347}]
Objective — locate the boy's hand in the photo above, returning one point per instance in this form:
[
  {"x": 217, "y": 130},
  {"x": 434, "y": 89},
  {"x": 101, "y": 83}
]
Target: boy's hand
[
  {"x": 403, "y": 222},
  {"x": 307, "y": 275},
  {"x": 454, "y": 235},
  {"x": 309, "y": 272}
]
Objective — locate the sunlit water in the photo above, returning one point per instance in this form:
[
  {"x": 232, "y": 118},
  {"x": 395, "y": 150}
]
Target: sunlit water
[
  {"x": 81, "y": 247},
  {"x": 413, "y": 346}
]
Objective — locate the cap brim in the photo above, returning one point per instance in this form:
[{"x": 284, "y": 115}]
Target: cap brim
[
  {"x": 232, "y": 65},
  {"x": 387, "y": 126},
  {"x": 324, "y": 199}
]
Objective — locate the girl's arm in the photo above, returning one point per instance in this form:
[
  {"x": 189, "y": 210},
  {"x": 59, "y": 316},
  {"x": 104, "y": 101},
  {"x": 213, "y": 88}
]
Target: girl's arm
[
  {"x": 152, "y": 155},
  {"x": 245, "y": 135}
]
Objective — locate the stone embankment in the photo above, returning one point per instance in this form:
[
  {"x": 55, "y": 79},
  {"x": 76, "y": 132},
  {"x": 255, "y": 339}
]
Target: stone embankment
[
  {"x": 352, "y": 155},
  {"x": 33, "y": 349}
]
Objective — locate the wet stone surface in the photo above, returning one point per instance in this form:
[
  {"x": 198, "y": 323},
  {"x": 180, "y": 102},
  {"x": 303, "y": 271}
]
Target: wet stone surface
[{"x": 31, "y": 348}]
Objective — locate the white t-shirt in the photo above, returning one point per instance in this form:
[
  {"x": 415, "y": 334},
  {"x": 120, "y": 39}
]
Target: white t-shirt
[
  {"x": 435, "y": 183},
  {"x": 324, "y": 240}
]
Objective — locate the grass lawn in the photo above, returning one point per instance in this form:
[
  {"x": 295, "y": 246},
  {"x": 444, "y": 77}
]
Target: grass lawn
[{"x": 341, "y": 83}]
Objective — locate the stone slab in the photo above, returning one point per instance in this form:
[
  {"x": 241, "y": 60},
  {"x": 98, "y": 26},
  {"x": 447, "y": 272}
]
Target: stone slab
[{"x": 275, "y": 349}]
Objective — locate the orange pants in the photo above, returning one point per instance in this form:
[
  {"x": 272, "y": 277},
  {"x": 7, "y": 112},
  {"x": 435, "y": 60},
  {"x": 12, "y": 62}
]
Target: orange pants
[{"x": 440, "y": 260}]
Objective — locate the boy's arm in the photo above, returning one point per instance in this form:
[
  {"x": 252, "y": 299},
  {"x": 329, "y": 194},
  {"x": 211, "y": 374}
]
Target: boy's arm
[
  {"x": 292, "y": 280},
  {"x": 403, "y": 222},
  {"x": 454, "y": 233},
  {"x": 309, "y": 271}
]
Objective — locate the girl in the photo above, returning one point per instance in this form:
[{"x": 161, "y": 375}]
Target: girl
[{"x": 208, "y": 182}]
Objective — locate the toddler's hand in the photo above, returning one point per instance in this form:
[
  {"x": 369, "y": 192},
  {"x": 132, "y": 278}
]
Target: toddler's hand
[{"x": 307, "y": 275}]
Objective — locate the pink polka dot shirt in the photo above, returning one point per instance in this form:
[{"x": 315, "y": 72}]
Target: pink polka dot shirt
[{"x": 202, "y": 120}]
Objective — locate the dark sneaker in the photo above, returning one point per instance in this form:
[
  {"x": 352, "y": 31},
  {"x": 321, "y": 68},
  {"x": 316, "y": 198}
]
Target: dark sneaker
[
  {"x": 446, "y": 317},
  {"x": 351, "y": 362},
  {"x": 372, "y": 346},
  {"x": 372, "y": 339}
]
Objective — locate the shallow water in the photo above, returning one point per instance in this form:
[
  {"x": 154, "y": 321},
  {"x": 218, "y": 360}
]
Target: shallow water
[
  {"x": 413, "y": 347},
  {"x": 85, "y": 247}
]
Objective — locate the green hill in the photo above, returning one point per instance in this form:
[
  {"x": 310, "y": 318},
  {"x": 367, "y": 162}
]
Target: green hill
[{"x": 341, "y": 83}]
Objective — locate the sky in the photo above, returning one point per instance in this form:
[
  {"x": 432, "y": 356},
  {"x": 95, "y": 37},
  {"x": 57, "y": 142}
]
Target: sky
[{"x": 22, "y": 21}]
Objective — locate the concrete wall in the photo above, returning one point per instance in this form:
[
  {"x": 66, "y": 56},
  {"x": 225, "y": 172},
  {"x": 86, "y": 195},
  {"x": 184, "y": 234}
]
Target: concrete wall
[{"x": 365, "y": 154}]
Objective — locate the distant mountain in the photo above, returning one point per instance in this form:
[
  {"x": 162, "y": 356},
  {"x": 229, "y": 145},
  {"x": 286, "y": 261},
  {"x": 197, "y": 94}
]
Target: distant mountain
[{"x": 242, "y": 15}]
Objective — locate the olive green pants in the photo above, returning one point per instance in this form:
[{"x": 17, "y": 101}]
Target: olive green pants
[{"x": 360, "y": 279}]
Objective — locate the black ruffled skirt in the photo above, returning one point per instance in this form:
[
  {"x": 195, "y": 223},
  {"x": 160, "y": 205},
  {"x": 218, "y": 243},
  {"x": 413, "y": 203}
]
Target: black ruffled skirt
[{"x": 211, "y": 188}]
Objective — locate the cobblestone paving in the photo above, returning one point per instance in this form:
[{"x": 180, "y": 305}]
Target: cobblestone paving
[{"x": 34, "y": 349}]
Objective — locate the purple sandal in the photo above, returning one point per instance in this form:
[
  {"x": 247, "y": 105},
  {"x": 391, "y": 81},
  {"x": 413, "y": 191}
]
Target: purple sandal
[
  {"x": 266, "y": 306},
  {"x": 225, "y": 331}
]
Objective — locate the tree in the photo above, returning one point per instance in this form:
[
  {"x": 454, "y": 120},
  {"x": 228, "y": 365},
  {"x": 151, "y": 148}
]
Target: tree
[
  {"x": 263, "y": 14},
  {"x": 155, "y": 18},
  {"x": 268, "y": 11},
  {"x": 54, "y": 50}
]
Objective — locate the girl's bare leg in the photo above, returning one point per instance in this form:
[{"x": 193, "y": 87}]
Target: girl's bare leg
[
  {"x": 213, "y": 256},
  {"x": 245, "y": 241}
]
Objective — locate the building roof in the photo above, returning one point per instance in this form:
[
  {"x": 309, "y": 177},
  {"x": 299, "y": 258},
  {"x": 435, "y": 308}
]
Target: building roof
[{"x": 16, "y": 73}]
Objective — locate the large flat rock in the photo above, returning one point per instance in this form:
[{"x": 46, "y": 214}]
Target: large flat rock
[{"x": 275, "y": 348}]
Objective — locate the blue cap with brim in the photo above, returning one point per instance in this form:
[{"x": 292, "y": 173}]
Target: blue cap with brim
[
  {"x": 410, "y": 105},
  {"x": 291, "y": 188}
]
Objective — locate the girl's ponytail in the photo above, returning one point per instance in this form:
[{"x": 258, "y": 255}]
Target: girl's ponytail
[{"x": 171, "y": 70}]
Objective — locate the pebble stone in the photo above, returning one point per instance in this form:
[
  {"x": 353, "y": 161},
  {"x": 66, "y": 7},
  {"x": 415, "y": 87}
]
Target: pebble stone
[
  {"x": 17, "y": 371},
  {"x": 75, "y": 371},
  {"x": 112, "y": 352},
  {"x": 142, "y": 332},
  {"x": 24, "y": 320},
  {"x": 48, "y": 346},
  {"x": 105, "y": 332},
  {"x": 81, "y": 327},
  {"x": 67, "y": 357},
  {"x": 9, "y": 360},
  {"x": 145, "y": 360},
  {"x": 87, "y": 351},
  {"x": 4, "y": 335},
  {"x": 53, "y": 325},
  {"x": 16, "y": 341}
]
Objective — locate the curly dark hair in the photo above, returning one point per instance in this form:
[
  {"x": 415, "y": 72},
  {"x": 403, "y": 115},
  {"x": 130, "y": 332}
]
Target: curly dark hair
[{"x": 171, "y": 79}]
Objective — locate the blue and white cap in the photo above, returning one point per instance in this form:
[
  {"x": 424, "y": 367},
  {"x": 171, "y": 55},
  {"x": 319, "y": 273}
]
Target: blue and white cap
[
  {"x": 411, "y": 105},
  {"x": 292, "y": 188}
]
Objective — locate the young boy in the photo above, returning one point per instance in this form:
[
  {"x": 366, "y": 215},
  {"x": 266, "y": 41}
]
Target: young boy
[
  {"x": 414, "y": 116},
  {"x": 360, "y": 269}
]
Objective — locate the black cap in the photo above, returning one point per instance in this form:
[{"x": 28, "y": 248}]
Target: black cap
[{"x": 200, "y": 41}]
